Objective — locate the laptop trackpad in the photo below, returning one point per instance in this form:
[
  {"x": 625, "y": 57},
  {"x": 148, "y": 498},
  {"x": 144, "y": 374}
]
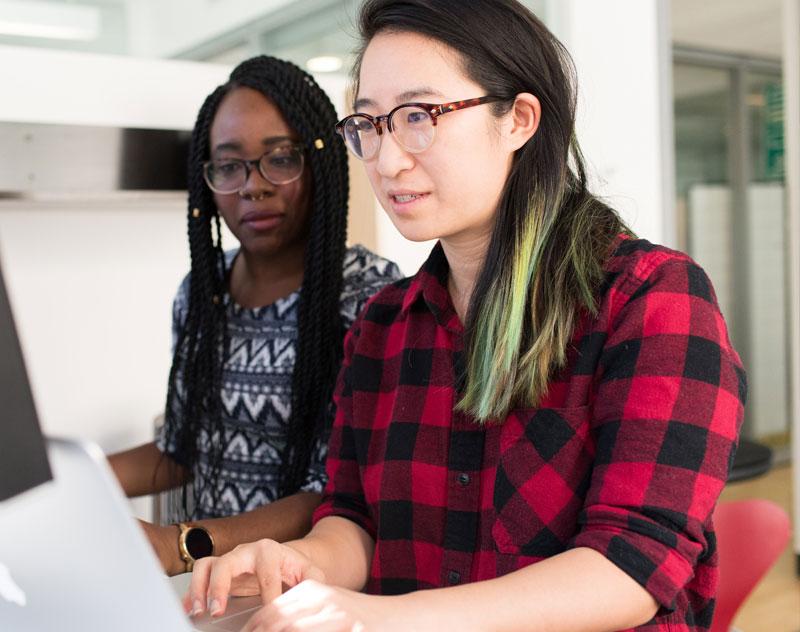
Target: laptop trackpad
[{"x": 240, "y": 609}]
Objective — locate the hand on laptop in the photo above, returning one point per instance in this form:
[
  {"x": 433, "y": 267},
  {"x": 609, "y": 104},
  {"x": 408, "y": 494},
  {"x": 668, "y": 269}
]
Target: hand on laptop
[
  {"x": 262, "y": 567},
  {"x": 267, "y": 568},
  {"x": 315, "y": 606}
]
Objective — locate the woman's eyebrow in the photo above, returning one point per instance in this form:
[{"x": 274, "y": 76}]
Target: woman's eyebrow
[
  {"x": 235, "y": 145},
  {"x": 274, "y": 139},
  {"x": 410, "y": 95},
  {"x": 230, "y": 145},
  {"x": 362, "y": 103},
  {"x": 403, "y": 97}
]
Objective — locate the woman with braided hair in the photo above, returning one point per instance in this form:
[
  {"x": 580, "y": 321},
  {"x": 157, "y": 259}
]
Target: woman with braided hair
[{"x": 258, "y": 330}]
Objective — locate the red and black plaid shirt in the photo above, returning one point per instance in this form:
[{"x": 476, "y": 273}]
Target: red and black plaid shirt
[{"x": 626, "y": 455}]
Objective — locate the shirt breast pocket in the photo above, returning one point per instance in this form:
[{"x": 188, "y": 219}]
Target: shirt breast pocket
[{"x": 543, "y": 474}]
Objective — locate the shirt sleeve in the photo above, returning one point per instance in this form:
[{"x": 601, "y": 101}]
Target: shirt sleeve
[
  {"x": 344, "y": 494},
  {"x": 668, "y": 406}
]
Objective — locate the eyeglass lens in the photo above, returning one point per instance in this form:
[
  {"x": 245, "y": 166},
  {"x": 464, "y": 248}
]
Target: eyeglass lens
[
  {"x": 279, "y": 166},
  {"x": 411, "y": 126}
]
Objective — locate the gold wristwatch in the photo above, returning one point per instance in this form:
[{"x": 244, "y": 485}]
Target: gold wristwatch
[{"x": 194, "y": 542}]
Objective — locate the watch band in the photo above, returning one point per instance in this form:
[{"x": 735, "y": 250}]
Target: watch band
[{"x": 194, "y": 543}]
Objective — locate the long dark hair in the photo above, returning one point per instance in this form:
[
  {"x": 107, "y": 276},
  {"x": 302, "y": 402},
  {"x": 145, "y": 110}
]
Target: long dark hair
[
  {"x": 551, "y": 236},
  {"x": 194, "y": 395}
]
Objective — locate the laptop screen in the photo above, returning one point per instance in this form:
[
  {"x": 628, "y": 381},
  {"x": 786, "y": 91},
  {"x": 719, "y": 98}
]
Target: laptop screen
[{"x": 23, "y": 458}]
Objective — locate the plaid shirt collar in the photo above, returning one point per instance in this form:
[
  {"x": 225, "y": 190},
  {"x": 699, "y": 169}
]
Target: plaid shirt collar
[{"x": 429, "y": 287}]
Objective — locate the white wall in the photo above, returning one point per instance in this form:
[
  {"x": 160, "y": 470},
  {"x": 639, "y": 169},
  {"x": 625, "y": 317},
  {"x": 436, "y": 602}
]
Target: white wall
[
  {"x": 710, "y": 233},
  {"x": 623, "y": 55},
  {"x": 91, "y": 283},
  {"x": 50, "y": 86}
]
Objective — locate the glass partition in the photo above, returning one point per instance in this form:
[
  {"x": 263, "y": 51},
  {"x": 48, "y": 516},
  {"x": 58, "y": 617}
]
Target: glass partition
[{"x": 731, "y": 215}]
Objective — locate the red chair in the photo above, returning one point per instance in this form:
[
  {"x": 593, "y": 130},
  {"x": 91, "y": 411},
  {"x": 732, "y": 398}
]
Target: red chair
[{"x": 751, "y": 535}]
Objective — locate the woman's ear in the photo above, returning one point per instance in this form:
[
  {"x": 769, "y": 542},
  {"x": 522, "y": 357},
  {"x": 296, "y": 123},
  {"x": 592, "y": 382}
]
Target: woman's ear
[{"x": 522, "y": 120}]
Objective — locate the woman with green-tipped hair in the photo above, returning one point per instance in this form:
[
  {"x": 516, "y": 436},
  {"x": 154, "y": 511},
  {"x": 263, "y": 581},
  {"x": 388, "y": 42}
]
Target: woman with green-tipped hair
[{"x": 537, "y": 425}]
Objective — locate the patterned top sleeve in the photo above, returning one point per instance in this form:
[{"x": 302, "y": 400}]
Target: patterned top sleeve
[
  {"x": 364, "y": 274},
  {"x": 668, "y": 406}
]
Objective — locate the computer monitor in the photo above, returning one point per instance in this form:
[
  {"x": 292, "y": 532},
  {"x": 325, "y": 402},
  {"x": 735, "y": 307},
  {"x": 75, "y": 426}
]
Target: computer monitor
[
  {"x": 23, "y": 456},
  {"x": 72, "y": 557}
]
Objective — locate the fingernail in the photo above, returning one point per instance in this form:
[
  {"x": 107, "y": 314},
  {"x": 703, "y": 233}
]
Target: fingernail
[
  {"x": 214, "y": 606},
  {"x": 197, "y": 608}
]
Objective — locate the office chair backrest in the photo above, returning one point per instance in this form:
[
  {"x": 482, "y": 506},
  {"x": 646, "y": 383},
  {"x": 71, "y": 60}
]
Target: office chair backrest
[{"x": 751, "y": 535}]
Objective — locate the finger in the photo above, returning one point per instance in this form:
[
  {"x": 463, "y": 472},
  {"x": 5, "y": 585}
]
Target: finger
[
  {"x": 223, "y": 571},
  {"x": 268, "y": 570},
  {"x": 195, "y": 599},
  {"x": 237, "y": 564},
  {"x": 186, "y": 602}
]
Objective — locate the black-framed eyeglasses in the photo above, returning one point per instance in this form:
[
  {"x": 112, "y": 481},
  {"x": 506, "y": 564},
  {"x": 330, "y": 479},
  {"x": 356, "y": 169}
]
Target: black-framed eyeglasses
[
  {"x": 281, "y": 165},
  {"x": 413, "y": 126}
]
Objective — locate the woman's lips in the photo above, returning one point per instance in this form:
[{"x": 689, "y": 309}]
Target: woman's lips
[
  {"x": 260, "y": 221},
  {"x": 404, "y": 201}
]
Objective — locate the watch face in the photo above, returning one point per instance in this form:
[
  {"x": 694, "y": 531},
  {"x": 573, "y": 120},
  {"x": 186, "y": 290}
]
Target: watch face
[{"x": 198, "y": 543}]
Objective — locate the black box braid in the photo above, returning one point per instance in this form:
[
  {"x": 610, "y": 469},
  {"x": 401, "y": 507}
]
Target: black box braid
[{"x": 198, "y": 354}]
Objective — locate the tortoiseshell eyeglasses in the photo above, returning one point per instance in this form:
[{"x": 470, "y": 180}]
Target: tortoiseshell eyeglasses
[{"x": 412, "y": 125}]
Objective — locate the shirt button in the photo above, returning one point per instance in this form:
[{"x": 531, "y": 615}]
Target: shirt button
[
  {"x": 464, "y": 478},
  {"x": 453, "y": 577}
]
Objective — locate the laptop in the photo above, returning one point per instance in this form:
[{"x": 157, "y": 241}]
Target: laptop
[
  {"x": 72, "y": 558},
  {"x": 23, "y": 461}
]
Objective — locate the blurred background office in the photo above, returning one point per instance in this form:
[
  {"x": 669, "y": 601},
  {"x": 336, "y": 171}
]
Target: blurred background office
[{"x": 689, "y": 117}]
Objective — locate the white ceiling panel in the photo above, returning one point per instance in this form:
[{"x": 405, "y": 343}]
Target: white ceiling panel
[{"x": 747, "y": 27}]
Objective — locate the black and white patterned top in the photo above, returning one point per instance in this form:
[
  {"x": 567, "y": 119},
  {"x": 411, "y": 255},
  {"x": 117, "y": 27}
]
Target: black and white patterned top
[{"x": 256, "y": 390}]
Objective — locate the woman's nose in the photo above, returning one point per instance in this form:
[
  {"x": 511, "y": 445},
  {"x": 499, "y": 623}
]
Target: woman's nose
[
  {"x": 256, "y": 184},
  {"x": 392, "y": 158}
]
